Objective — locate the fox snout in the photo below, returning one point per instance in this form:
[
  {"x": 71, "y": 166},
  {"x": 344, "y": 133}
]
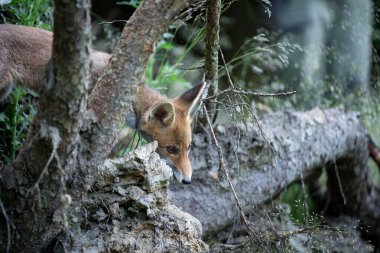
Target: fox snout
[
  {"x": 185, "y": 181},
  {"x": 182, "y": 175}
]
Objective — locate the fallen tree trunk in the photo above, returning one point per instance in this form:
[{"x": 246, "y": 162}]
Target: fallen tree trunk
[{"x": 304, "y": 143}]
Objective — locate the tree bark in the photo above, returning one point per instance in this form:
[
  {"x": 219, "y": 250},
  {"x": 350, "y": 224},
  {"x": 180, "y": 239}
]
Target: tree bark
[
  {"x": 43, "y": 188},
  {"x": 212, "y": 48},
  {"x": 304, "y": 142},
  {"x": 37, "y": 197}
]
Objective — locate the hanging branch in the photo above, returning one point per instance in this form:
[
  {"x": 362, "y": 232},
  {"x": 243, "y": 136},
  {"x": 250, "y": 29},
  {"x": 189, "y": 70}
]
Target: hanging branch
[
  {"x": 223, "y": 165},
  {"x": 211, "y": 79},
  {"x": 236, "y": 90}
]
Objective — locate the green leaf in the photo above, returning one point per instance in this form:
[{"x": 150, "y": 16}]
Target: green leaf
[{"x": 2, "y": 117}]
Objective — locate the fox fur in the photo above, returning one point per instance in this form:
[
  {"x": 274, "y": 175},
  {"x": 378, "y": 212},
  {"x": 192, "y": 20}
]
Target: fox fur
[{"x": 24, "y": 55}]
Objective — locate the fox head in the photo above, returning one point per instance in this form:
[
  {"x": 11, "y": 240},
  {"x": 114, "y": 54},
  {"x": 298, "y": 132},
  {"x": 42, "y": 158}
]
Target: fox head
[{"x": 168, "y": 121}]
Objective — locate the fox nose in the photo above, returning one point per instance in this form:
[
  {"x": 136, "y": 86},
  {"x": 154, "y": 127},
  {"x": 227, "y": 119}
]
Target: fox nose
[{"x": 186, "y": 181}]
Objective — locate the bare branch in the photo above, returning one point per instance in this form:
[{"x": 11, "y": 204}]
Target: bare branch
[
  {"x": 114, "y": 21},
  {"x": 224, "y": 167},
  {"x": 7, "y": 222},
  {"x": 248, "y": 93}
]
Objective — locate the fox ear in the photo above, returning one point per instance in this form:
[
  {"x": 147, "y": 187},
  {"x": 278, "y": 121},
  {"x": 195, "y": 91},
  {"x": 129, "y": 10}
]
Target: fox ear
[
  {"x": 162, "y": 112},
  {"x": 191, "y": 97}
]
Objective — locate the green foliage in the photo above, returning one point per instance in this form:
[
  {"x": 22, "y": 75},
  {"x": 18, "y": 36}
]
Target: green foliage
[
  {"x": 18, "y": 111},
  {"x": 300, "y": 203},
  {"x": 15, "y": 118},
  {"x": 136, "y": 141},
  {"x": 37, "y": 13},
  {"x": 166, "y": 74},
  {"x": 161, "y": 72},
  {"x": 132, "y": 3}
]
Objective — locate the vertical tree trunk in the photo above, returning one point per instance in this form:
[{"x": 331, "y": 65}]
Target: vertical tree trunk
[
  {"x": 212, "y": 46},
  {"x": 50, "y": 159}
]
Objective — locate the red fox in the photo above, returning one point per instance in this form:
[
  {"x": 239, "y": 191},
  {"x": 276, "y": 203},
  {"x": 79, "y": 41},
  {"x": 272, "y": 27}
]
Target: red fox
[
  {"x": 24, "y": 54},
  {"x": 169, "y": 122}
]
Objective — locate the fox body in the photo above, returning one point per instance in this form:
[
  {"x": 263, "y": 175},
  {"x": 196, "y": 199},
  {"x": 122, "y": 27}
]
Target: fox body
[{"x": 24, "y": 54}]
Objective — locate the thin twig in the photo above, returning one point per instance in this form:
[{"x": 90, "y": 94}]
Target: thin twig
[
  {"x": 190, "y": 10},
  {"x": 262, "y": 133},
  {"x": 374, "y": 151},
  {"x": 232, "y": 87},
  {"x": 308, "y": 230},
  {"x": 225, "y": 67},
  {"x": 306, "y": 206},
  {"x": 53, "y": 134},
  {"x": 223, "y": 166},
  {"x": 249, "y": 93},
  {"x": 44, "y": 171},
  {"x": 234, "y": 246},
  {"x": 340, "y": 184},
  {"x": 114, "y": 21},
  {"x": 191, "y": 68},
  {"x": 7, "y": 222}
]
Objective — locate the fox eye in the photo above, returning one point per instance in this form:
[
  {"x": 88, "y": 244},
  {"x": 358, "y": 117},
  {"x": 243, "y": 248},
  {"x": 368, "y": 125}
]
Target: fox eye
[{"x": 172, "y": 150}]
